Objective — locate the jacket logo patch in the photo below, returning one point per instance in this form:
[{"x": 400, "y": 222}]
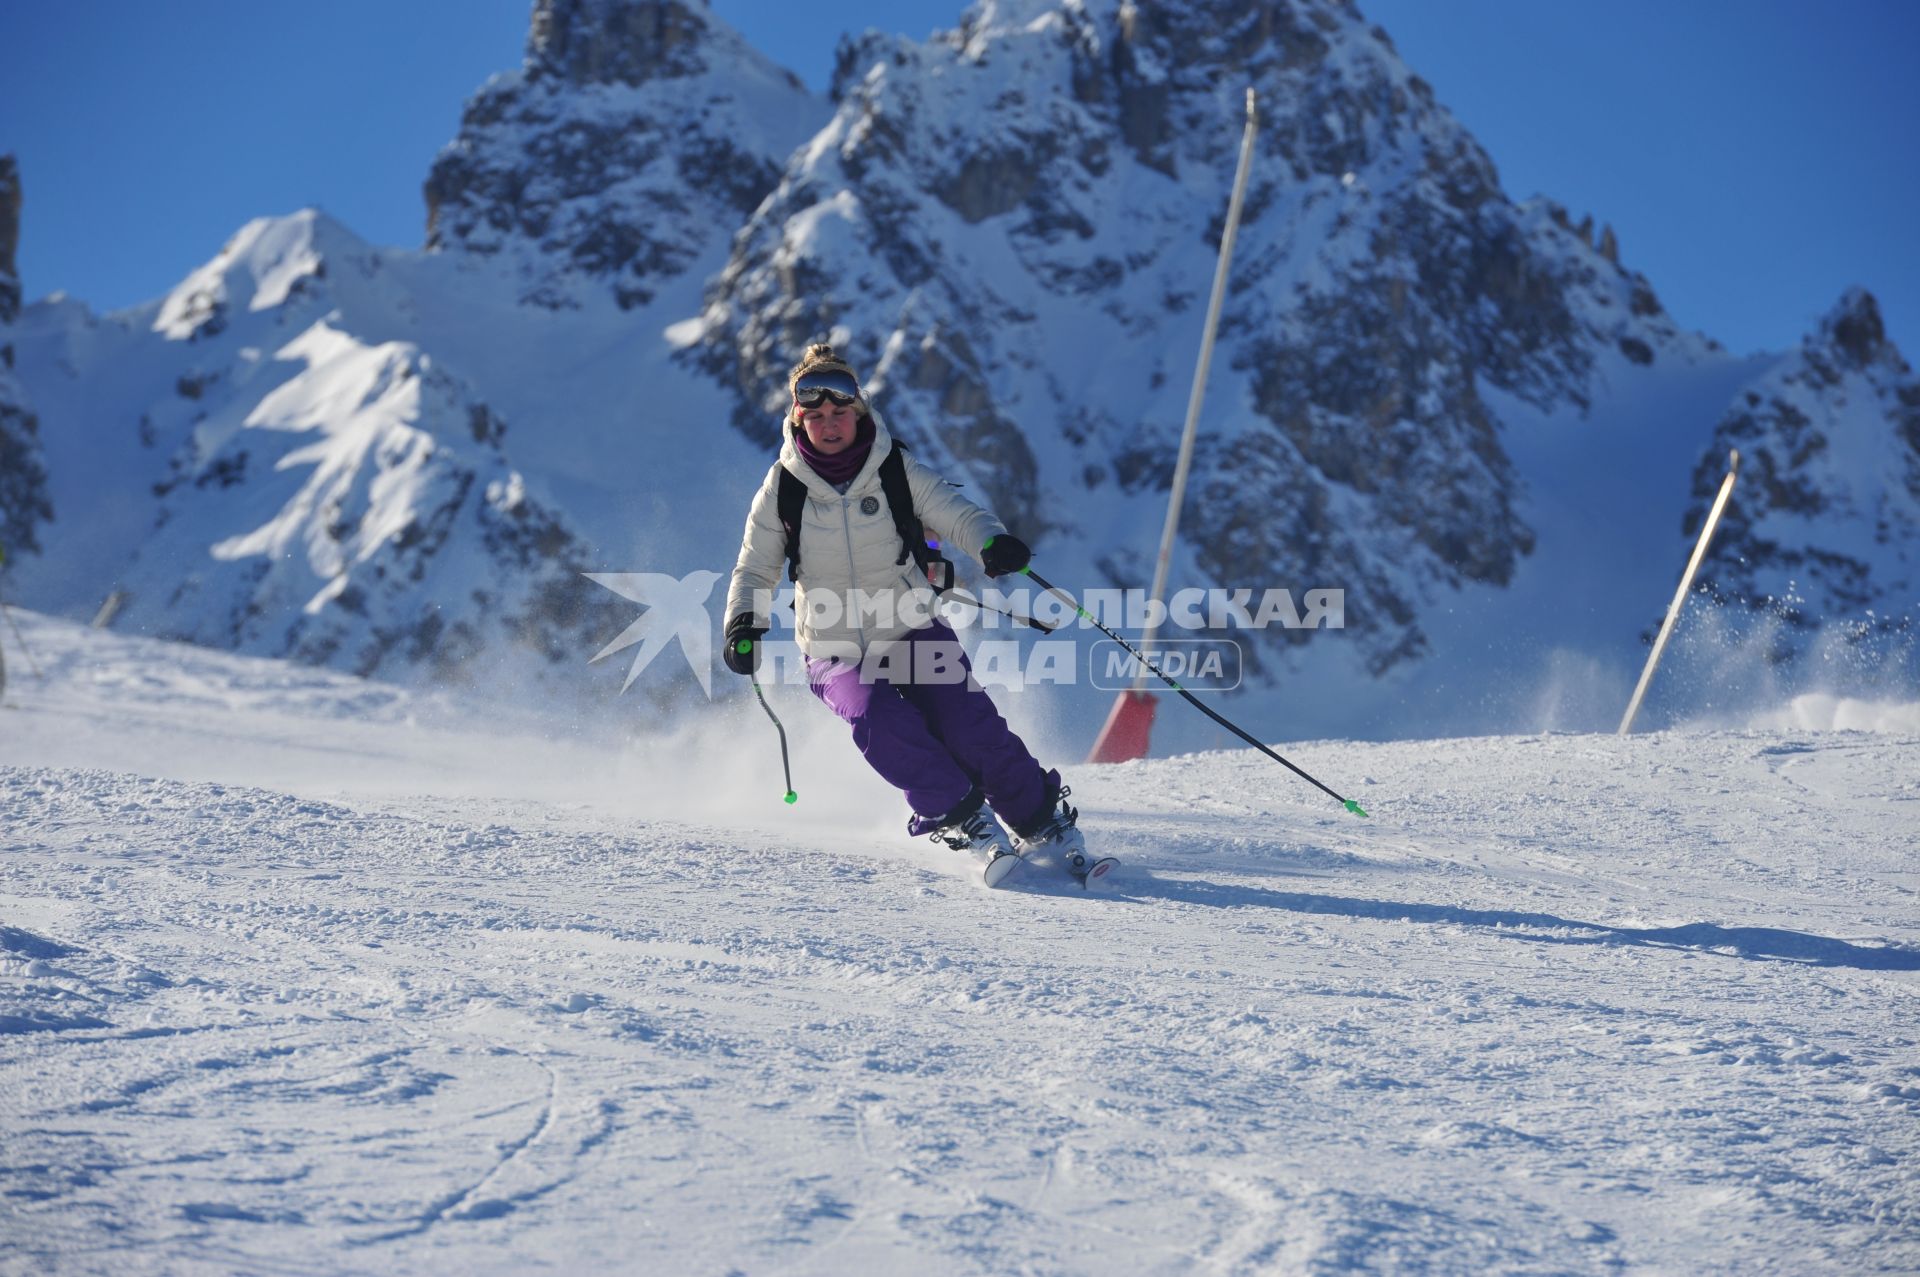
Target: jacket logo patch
[{"x": 870, "y": 505}]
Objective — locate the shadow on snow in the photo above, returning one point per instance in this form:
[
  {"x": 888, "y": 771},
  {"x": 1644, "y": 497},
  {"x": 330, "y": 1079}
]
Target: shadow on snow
[{"x": 1767, "y": 944}]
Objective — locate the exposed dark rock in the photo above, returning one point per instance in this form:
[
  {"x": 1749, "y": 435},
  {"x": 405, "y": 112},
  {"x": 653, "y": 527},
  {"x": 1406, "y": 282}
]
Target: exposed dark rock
[
  {"x": 1855, "y": 331},
  {"x": 10, "y": 203},
  {"x": 989, "y": 183},
  {"x": 615, "y": 41},
  {"x": 24, "y": 503}
]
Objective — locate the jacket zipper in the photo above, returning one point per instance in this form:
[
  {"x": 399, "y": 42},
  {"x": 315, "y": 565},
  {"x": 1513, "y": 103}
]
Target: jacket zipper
[{"x": 846, "y": 526}]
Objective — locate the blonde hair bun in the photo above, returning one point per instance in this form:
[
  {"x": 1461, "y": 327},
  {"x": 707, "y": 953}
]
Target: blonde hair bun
[{"x": 820, "y": 356}]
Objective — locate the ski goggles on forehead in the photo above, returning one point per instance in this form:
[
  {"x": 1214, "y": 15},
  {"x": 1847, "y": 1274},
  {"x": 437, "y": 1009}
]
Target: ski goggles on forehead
[{"x": 816, "y": 388}]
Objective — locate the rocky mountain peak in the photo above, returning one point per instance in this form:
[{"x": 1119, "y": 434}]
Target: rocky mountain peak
[
  {"x": 9, "y": 238},
  {"x": 269, "y": 261},
  {"x": 1041, "y": 192},
  {"x": 616, "y": 41},
  {"x": 23, "y": 478},
  {"x": 638, "y": 134},
  {"x": 1854, "y": 331},
  {"x": 1825, "y": 518}
]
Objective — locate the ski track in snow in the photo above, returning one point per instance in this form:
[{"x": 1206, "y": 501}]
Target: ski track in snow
[{"x": 1565, "y": 1004}]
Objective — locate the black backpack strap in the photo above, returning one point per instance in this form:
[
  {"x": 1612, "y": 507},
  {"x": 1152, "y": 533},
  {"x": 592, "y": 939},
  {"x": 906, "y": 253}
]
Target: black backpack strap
[
  {"x": 893, "y": 482},
  {"x": 913, "y": 534},
  {"x": 791, "y": 502}
]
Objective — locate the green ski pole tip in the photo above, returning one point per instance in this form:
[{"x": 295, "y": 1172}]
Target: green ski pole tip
[
  {"x": 792, "y": 797},
  {"x": 1354, "y": 807}
]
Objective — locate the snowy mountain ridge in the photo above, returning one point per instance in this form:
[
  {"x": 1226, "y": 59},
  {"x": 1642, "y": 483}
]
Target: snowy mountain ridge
[
  {"x": 401, "y": 462},
  {"x": 315, "y": 495},
  {"x": 1838, "y": 531},
  {"x": 1010, "y": 249}
]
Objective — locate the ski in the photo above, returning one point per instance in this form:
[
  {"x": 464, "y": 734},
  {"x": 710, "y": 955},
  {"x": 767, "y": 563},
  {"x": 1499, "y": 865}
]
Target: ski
[
  {"x": 995, "y": 871},
  {"x": 1096, "y": 871}
]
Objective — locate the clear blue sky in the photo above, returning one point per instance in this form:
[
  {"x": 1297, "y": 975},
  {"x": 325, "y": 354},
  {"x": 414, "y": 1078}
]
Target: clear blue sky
[{"x": 1755, "y": 157}]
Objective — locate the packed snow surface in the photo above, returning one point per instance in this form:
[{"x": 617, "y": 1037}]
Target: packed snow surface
[{"x": 304, "y": 973}]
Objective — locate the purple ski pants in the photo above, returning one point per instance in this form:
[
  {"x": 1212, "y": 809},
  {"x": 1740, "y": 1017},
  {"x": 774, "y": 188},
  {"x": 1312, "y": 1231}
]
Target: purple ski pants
[{"x": 936, "y": 739}]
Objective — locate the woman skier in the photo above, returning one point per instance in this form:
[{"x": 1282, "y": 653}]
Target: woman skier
[{"x": 876, "y": 652}]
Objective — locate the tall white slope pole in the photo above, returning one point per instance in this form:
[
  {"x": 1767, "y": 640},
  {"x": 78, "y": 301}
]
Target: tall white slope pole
[
  {"x": 1199, "y": 392},
  {"x": 1680, "y": 595}
]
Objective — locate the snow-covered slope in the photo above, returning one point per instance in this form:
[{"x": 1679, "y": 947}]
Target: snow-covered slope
[{"x": 298, "y": 970}]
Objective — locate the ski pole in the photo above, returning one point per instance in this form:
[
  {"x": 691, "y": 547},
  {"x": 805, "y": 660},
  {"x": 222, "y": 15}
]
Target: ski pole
[
  {"x": 1053, "y": 589},
  {"x": 960, "y": 596},
  {"x": 785, "y": 766}
]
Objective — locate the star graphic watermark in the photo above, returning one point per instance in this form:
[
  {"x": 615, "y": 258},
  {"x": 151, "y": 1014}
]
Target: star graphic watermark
[{"x": 676, "y": 608}]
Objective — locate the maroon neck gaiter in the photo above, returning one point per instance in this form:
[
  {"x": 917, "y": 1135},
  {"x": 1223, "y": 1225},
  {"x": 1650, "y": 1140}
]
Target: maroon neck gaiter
[{"x": 842, "y": 466}]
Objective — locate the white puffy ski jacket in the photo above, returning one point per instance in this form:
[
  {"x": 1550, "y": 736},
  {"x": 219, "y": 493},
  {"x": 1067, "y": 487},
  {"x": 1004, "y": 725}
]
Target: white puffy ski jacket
[{"x": 848, "y": 542}]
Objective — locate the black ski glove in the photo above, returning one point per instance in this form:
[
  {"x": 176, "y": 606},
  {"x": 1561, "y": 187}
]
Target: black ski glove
[
  {"x": 742, "y": 649},
  {"x": 1004, "y": 553}
]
